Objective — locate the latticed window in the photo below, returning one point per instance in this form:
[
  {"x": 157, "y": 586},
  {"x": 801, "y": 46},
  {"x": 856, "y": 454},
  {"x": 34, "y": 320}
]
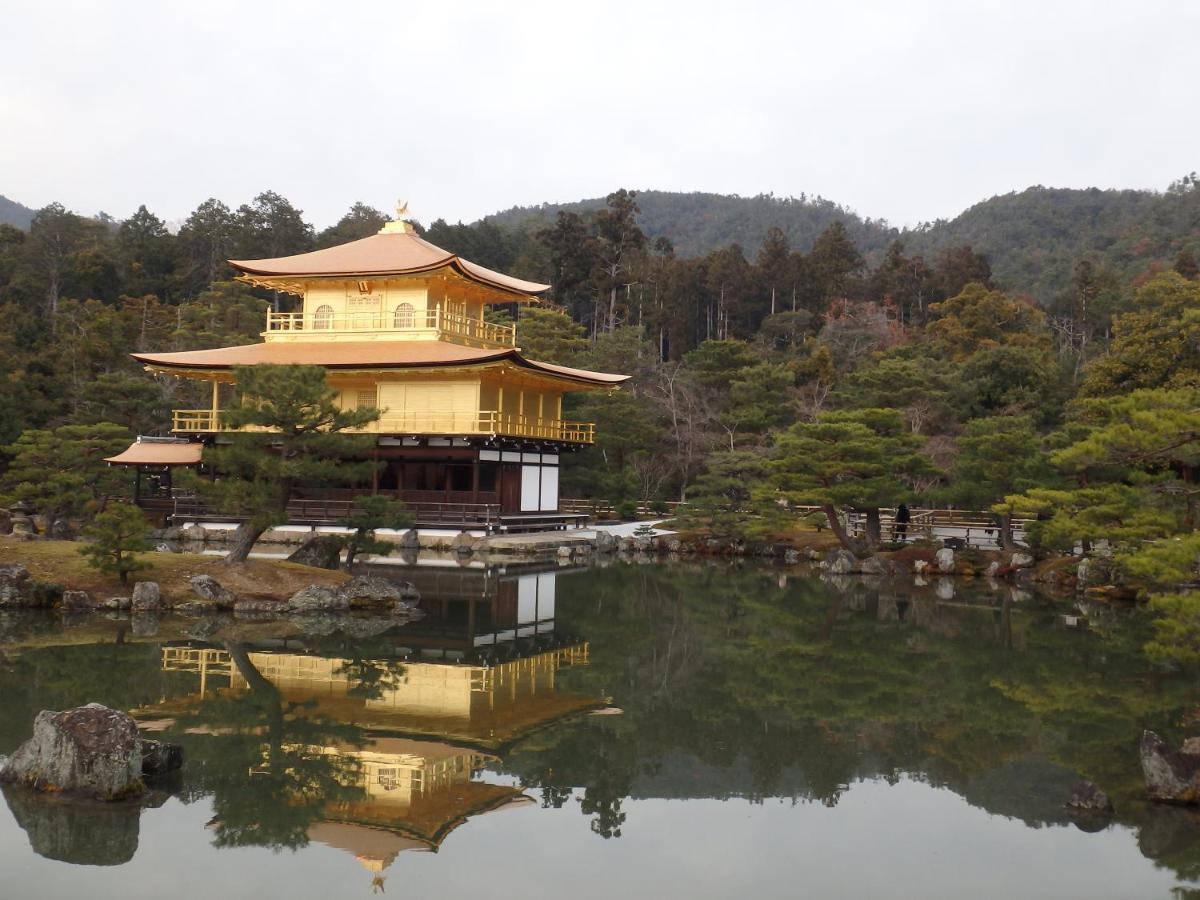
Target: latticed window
[
  {"x": 404, "y": 317},
  {"x": 323, "y": 317},
  {"x": 368, "y": 399}
]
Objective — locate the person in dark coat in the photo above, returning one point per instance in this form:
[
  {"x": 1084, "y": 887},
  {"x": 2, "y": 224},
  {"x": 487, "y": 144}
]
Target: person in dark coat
[{"x": 902, "y": 519}]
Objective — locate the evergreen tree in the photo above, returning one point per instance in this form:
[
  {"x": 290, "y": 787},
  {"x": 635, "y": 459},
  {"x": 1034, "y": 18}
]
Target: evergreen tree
[
  {"x": 299, "y": 437},
  {"x": 359, "y": 222},
  {"x": 115, "y": 538},
  {"x": 844, "y": 462},
  {"x": 61, "y": 473},
  {"x": 368, "y": 516},
  {"x": 997, "y": 457}
]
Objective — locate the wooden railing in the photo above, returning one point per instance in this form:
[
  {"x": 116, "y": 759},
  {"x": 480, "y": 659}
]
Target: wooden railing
[
  {"x": 464, "y": 422},
  {"x": 445, "y": 324},
  {"x": 194, "y": 421},
  {"x": 342, "y": 512}
]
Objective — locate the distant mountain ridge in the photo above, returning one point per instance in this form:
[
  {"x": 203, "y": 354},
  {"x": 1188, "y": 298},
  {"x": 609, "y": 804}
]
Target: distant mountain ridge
[
  {"x": 699, "y": 222},
  {"x": 1033, "y": 238},
  {"x": 15, "y": 214}
]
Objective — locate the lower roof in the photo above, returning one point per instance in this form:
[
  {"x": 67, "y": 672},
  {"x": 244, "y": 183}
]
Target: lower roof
[
  {"x": 364, "y": 355},
  {"x": 158, "y": 453}
]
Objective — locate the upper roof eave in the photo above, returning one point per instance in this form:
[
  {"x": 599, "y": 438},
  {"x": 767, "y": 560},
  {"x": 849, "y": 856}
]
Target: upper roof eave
[{"x": 383, "y": 255}]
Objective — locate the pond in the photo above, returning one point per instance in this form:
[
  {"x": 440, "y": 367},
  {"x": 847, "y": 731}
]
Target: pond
[{"x": 631, "y": 730}]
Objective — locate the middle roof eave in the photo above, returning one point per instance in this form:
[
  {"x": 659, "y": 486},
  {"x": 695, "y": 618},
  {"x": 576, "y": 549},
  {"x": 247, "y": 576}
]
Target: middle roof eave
[{"x": 364, "y": 355}]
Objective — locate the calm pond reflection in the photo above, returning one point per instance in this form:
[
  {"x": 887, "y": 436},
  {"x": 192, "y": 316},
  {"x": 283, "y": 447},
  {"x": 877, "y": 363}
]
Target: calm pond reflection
[{"x": 645, "y": 730}]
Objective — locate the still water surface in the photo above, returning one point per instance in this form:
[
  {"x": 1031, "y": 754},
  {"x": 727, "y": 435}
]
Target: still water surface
[{"x": 640, "y": 731}]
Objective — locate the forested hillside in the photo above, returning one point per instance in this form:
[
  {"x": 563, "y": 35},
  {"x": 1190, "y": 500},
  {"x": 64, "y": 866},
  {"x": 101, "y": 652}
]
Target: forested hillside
[
  {"x": 13, "y": 213},
  {"x": 1032, "y": 238},
  {"x": 698, "y": 223}
]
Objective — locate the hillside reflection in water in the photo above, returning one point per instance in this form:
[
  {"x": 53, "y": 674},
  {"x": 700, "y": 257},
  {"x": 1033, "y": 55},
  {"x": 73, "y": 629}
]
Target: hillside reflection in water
[{"x": 810, "y": 725}]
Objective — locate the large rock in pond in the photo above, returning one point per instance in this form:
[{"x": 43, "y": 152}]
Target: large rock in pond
[
  {"x": 840, "y": 562},
  {"x": 945, "y": 560},
  {"x": 317, "y": 598},
  {"x": 1088, "y": 800},
  {"x": 877, "y": 565},
  {"x": 146, "y": 596},
  {"x": 159, "y": 758},
  {"x": 90, "y": 751},
  {"x": 1172, "y": 776},
  {"x": 78, "y": 600},
  {"x": 321, "y": 551},
  {"x": 1020, "y": 561},
  {"x": 16, "y": 587},
  {"x": 605, "y": 542},
  {"x": 371, "y": 590},
  {"x": 211, "y": 591}
]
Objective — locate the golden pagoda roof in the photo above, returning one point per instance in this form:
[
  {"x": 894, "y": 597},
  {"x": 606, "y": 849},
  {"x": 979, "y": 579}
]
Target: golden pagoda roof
[
  {"x": 387, "y": 253},
  {"x": 365, "y": 355}
]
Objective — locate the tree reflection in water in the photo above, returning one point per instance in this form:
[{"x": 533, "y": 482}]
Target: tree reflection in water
[
  {"x": 732, "y": 683},
  {"x": 263, "y": 763}
]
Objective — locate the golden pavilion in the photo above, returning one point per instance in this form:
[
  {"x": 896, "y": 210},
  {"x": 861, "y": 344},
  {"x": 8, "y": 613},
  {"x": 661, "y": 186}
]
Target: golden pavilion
[{"x": 470, "y": 429}]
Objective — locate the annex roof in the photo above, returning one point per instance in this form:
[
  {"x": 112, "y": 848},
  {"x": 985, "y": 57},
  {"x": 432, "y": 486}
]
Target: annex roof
[
  {"x": 157, "y": 453},
  {"x": 365, "y": 355},
  {"x": 387, "y": 253}
]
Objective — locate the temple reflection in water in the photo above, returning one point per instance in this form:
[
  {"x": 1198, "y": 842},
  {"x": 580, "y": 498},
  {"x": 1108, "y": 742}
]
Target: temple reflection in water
[{"x": 475, "y": 673}]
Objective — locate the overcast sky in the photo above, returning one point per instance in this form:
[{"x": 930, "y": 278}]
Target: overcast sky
[{"x": 907, "y": 111}]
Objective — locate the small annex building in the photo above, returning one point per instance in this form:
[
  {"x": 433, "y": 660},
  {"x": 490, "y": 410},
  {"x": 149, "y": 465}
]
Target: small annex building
[{"x": 471, "y": 431}]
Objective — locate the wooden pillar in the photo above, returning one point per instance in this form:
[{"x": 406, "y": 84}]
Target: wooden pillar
[
  {"x": 475, "y": 478},
  {"x": 137, "y": 484},
  {"x": 216, "y": 396},
  {"x": 375, "y": 469}
]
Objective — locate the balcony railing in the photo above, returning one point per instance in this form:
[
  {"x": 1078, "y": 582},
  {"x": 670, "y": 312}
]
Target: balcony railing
[
  {"x": 452, "y": 422},
  {"x": 446, "y": 324}
]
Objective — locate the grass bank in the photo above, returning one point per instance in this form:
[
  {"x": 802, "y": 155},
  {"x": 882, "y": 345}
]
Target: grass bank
[{"x": 59, "y": 562}]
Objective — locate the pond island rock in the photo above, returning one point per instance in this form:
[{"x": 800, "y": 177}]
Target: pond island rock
[
  {"x": 1172, "y": 776},
  {"x": 317, "y": 598},
  {"x": 945, "y": 560},
  {"x": 321, "y": 551},
  {"x": 91, "y": 751},
  {"x": 840, "y": 562},
  {"x": 371, "y": 590},
  {"x": 1088, "y": 800},
  {"x": 77, "y": 600},
  {"x": 146, "y": 596},
  {"x": 16, "y": 587},
  {"x": 877, "y": 565},
  {"x": 212, "y": 591}
]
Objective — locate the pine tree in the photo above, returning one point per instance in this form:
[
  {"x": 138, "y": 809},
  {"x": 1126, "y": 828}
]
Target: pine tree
[
  {"x": 850, "y": 461},
  {"x": 369, "y": 515},
  {"x": 116, "y": 536},
  {"x": 299, "y": 437}
]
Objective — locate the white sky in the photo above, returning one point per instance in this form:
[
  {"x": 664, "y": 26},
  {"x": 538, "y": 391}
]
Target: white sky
[{"x": 903, "y": 110}]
